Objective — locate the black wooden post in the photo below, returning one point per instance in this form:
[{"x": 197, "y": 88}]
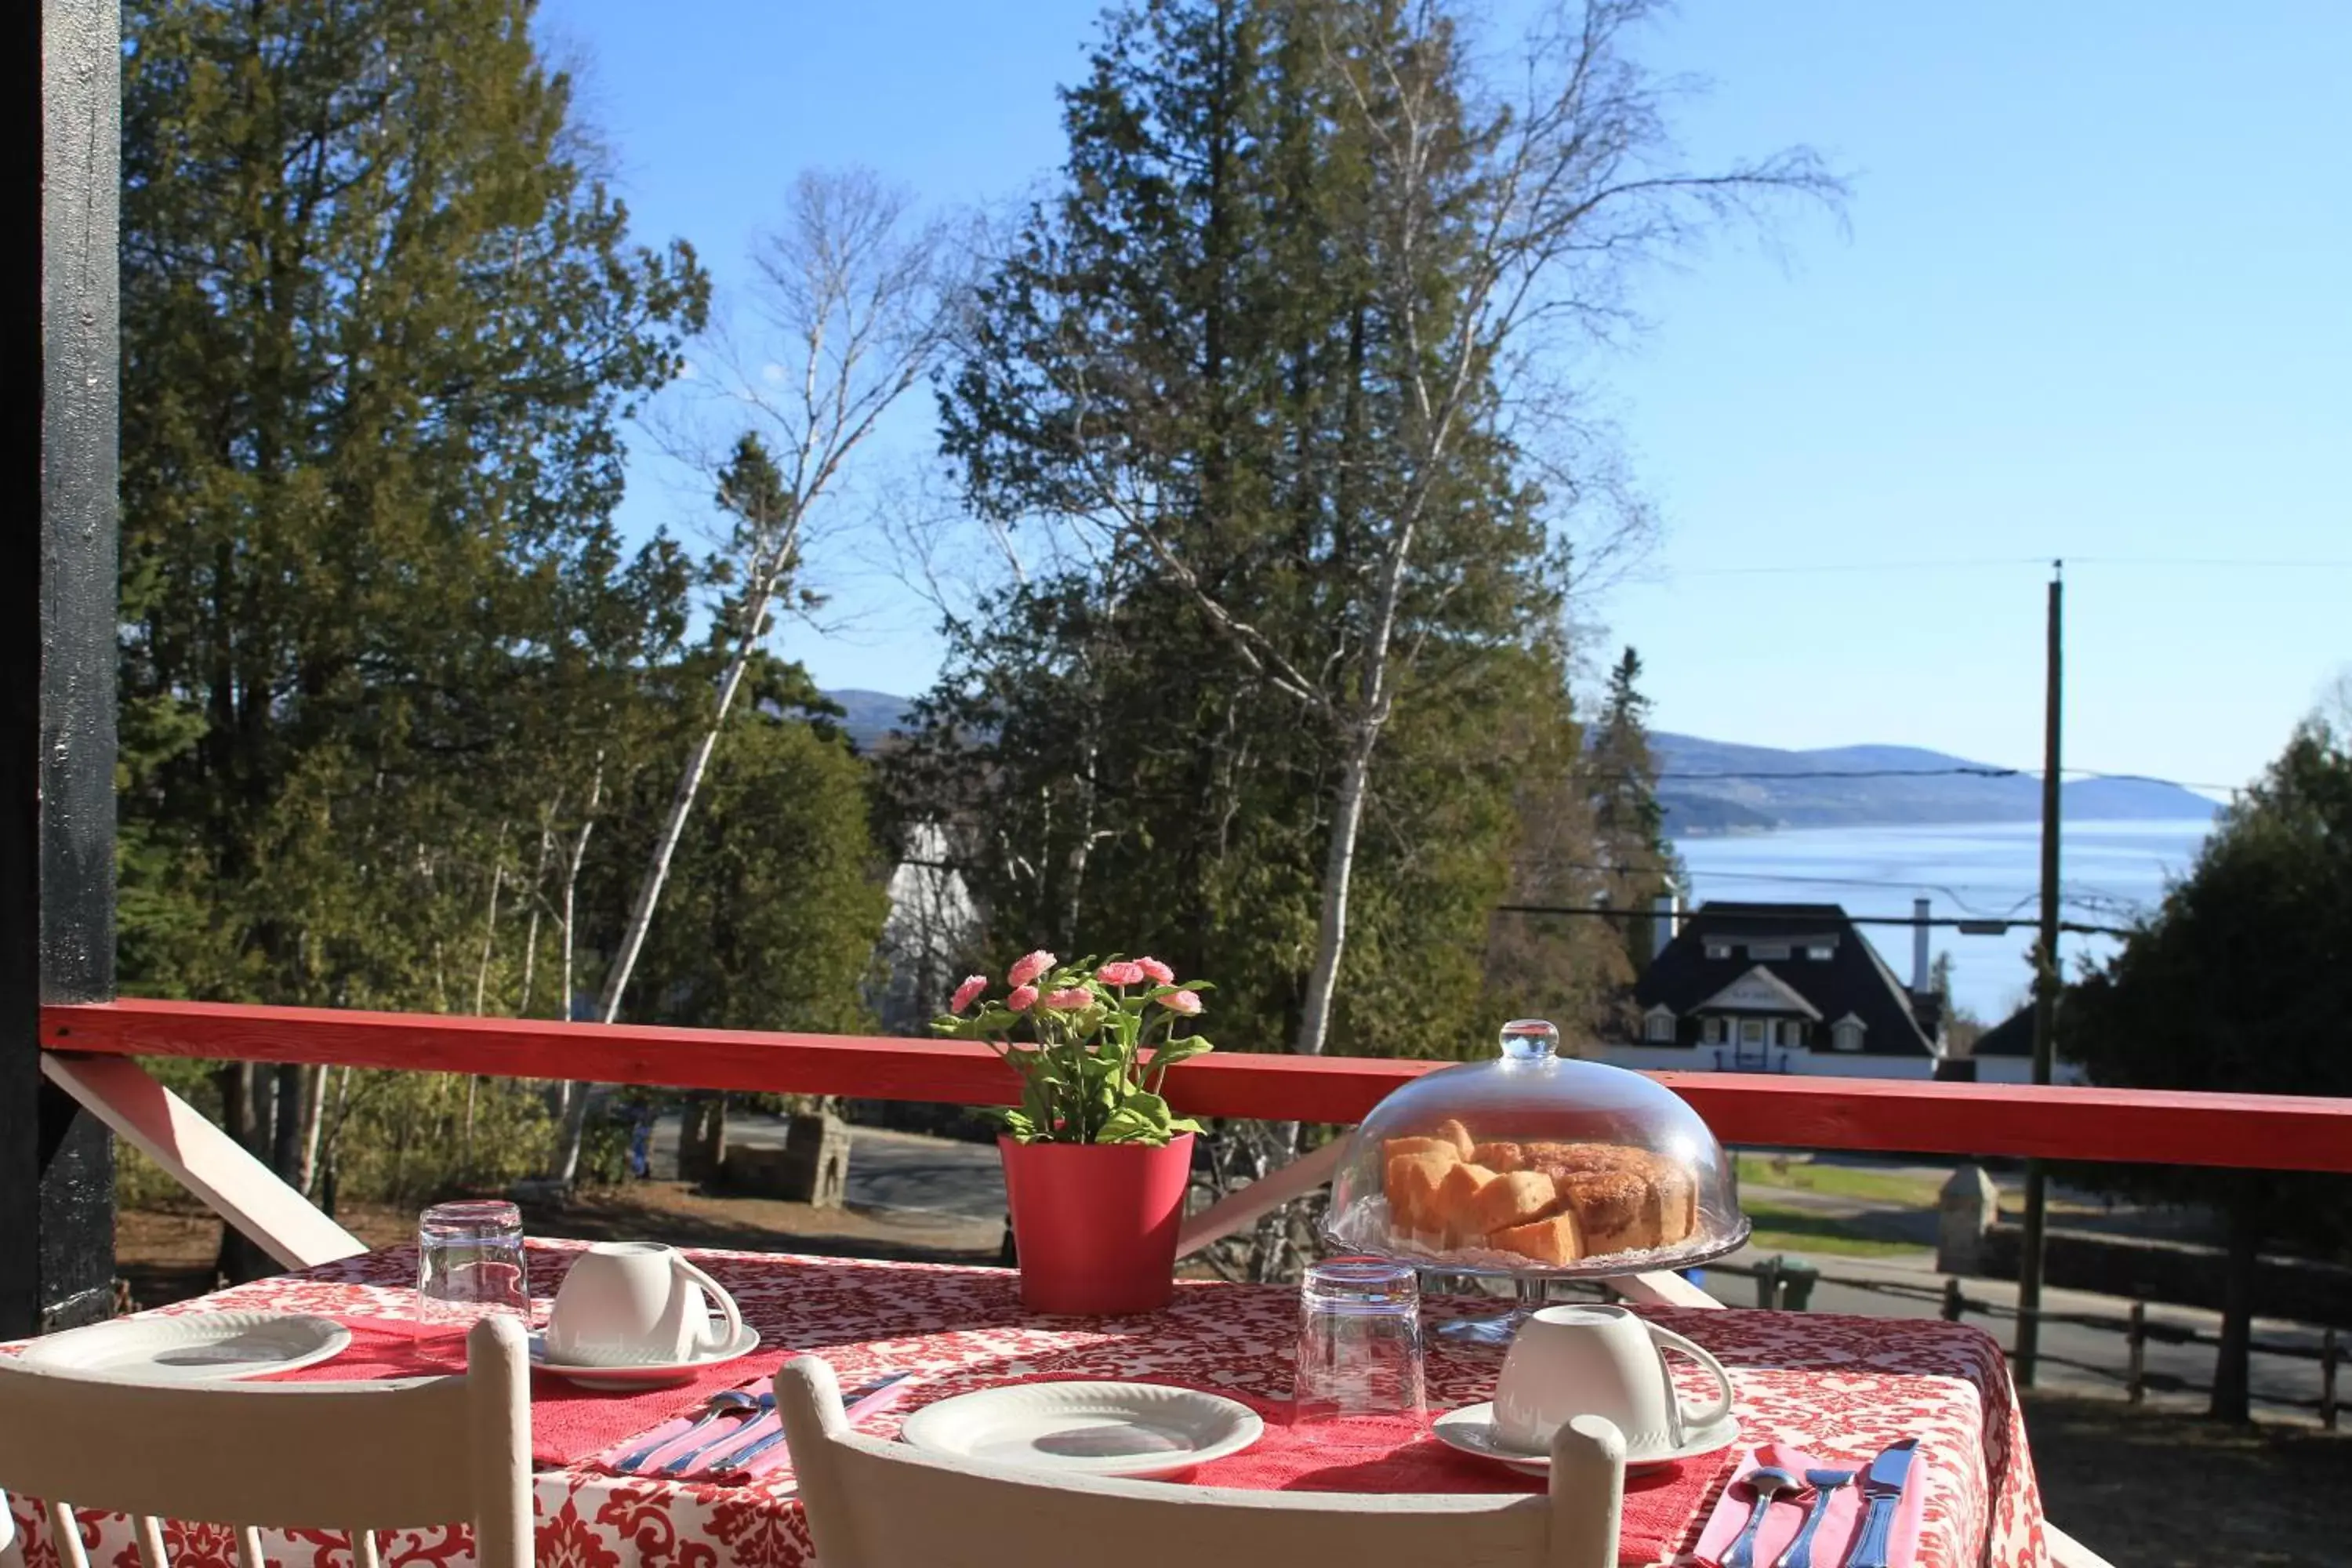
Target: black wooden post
[
  {"x": 2327, "y": 1360},
  {"x": 60, "y": 360},
  {"x": 2135, "y": 1370}
]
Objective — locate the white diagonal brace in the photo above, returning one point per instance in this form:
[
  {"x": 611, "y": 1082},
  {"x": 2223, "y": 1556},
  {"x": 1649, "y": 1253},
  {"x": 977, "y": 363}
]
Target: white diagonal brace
[
  {"x": 201, "y": 1158},
  {"x": 1660, "y": 1288},
  {"x": 1237, "y": 1211}
]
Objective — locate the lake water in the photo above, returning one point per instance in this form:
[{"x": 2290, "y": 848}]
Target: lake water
[{"x": 2107, "y": 871}]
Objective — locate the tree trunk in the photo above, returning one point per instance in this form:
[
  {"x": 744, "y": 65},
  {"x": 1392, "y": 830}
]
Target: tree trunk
[
  {"x": 649, "y": 888},
  {"x": 702, "y": 1136},
  {"x": 575, "y": 1095},
  {"x": 314, "y": 1117},
  {"x": 239, "y": 1259},
  {"x": 285, "y": 1123},
  {"x": 2232, "y": 1393},
  {"x": 1339, "y": 869}
]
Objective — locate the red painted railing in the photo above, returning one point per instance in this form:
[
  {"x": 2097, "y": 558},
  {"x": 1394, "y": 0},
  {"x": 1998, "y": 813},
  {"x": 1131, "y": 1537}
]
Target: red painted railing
[{"x": 2263, "y": 1131}]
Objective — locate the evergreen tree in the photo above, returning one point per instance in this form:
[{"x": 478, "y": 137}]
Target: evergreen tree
[
  {"x": 1263, "y": 361},
  {"x": 380, "y": 326},
  {"x": 1128, "y": 776},
  {"x": 1638, "y": 863},
  {"x": 2239, "y": 983}
]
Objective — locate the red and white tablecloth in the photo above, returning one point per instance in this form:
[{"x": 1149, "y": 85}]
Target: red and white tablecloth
[{"x": 1842, "y": 1386}]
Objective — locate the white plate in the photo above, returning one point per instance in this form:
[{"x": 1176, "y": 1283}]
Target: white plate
[
  {"x": 649, "y": 1376},
  {"x": 1087, "y": 1428},
  {"x": 201, "y": 1347},
  {"x": 1471, "y": 1429}
]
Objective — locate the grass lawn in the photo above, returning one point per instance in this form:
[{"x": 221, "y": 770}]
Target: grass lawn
[
  {"x": 1841, "y": 1180},
  {"x": 1781, "y": 1227}
]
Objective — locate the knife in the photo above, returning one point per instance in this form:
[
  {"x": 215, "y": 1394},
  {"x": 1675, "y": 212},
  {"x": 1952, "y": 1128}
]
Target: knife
[
  {"x": 764, "y": 1405},
  {"x": 861, "y": 1401},
  {"x": 1883, "y": 1489}
]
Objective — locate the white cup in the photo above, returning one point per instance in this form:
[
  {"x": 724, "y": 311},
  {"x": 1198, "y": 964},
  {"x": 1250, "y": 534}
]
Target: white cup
[
  {"x": 638, "y": 1302},
  {"x": 1600, "y": 1361}
]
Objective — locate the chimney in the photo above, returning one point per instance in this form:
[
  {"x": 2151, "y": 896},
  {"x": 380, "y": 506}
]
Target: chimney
[
  {"x": 1919, "y": 932},
  {"x": 1665, "y": 922}
]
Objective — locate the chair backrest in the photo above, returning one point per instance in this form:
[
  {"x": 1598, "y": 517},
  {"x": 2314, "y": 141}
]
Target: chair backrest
[
  {"x": 356, "y": 1456},
  {"x": 874, "y": 1504}
]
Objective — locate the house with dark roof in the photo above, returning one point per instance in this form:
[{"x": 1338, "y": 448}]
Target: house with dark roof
[
  {"x": 1755, "y": 987},
  {"x": 2004, "y": 1054}
]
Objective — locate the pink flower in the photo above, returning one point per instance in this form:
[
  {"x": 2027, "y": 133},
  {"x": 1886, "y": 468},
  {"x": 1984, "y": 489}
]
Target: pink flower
[
  {"x": 1029, "y": 968},
  {"x": 968, "y": 993},
  {"x": 1070, "y": 1000},
  {"x": 1160, "y": 973},
  {"x": 1185, "y": 1002},
  {"x": 1121, "y": 973},
  {"x": 1023, "y": 998}
]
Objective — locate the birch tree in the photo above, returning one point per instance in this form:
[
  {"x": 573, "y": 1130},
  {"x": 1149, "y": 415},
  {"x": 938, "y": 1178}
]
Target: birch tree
[{"x": 848, "y": 306}]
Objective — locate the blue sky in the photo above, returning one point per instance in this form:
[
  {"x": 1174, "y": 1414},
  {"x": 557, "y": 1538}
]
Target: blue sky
[{"x": 2090, "y": 302}]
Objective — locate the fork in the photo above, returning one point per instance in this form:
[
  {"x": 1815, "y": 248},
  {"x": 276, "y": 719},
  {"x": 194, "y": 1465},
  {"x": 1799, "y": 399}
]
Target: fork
[{"x": 1799, "y": 1553}]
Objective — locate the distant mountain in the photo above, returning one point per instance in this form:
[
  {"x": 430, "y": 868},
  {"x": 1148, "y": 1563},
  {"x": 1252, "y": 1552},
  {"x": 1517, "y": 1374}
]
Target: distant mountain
[
  {"x": 871, "y": 715},
  {"x": 1886, "y": 798},
  {"x": 1808, "y": 790}
]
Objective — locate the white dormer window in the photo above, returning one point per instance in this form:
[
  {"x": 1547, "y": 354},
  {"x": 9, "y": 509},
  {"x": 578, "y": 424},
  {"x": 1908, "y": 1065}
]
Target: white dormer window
[
  {"x": 1846, "y": 1035},
  {"x": 1764, "y": 952},
  {"x": 1658, "y": 1026},
  {"x": 1718, "y": 949},
  {"x": 1820, "y": 952}
]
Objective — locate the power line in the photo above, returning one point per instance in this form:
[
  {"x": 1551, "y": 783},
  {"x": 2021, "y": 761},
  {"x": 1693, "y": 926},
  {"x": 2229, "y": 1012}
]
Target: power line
[
  {"x": 1991, "y": 562},
  {"x": 1727, "y": 917},
  {"x": 1969, "y": 772},
  {"x": 2086, "y": 898},
  {"x": 1842, "y": 568},
  {"x": 1964, "y": 770}
]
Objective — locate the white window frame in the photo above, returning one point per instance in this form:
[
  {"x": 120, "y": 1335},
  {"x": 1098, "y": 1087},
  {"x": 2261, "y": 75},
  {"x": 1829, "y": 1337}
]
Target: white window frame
[
  {"x": 1820, "y": 952},
  {"x": 1846, "y": 1035},
  {"x": 1755, "y": 1031},
  {"x": 1713, "y": 1031},
  {"x": 1718, "y": 949},
  {"x": 1658, "y": 1026}
]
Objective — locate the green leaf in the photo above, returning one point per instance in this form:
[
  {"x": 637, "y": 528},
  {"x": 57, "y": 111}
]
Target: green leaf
[{"x": 1182, "y": 1050}]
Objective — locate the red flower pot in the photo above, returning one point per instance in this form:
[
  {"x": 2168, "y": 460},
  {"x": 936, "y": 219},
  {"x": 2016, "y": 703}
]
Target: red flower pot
[{"x": 1095, "y": 1224}]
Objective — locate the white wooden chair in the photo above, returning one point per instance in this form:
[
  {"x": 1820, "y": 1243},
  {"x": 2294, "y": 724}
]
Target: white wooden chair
[
  {"x": 354, "y": 1457},
  {"x": 874, "y": 1504}
]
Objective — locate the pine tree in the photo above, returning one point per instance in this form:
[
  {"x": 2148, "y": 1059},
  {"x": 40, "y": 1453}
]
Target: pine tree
[
  {"x": 380, "y": 327},
  {"x": 1131, "y": 777},
  {"x": 1640, "y": 864}
]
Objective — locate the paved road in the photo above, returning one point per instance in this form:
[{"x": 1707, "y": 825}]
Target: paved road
[
  {"x": 2272, "y": 1376},
  {"x": 887, "y": 1171}
]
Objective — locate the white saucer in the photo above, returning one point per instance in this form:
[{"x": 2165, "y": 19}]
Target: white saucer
[
  {"x": 199, "y": 1347},
  {"x": 1471, "y": 1429},
  {"x": 1136, "y": 1429},
  {"x": 649, "y": 1374}
]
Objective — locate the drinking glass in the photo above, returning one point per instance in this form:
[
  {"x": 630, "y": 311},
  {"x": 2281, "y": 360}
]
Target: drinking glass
[
  {"x": 1359, "y": 1347},
  {"x": 469, "y": 1263}
]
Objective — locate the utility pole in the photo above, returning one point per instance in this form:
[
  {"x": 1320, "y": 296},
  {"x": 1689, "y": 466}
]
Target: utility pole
[{"x": 2045, "y": 994}]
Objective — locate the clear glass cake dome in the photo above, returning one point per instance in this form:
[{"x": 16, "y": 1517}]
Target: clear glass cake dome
[{"x": 1536, "y": 1166}]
